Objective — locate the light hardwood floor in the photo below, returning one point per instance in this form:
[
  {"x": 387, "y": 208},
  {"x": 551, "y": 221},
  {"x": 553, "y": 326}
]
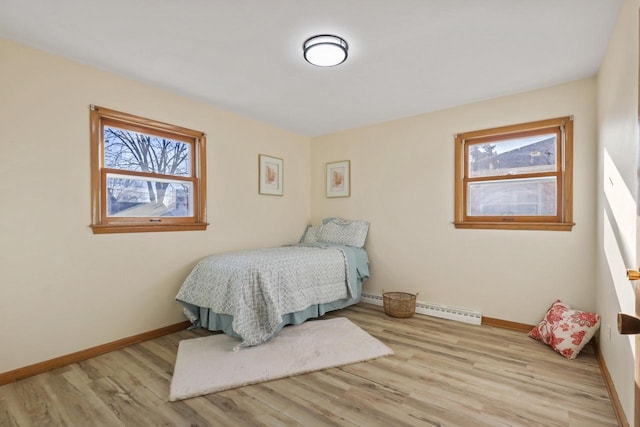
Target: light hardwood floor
[{"x": 443, "y": 373}]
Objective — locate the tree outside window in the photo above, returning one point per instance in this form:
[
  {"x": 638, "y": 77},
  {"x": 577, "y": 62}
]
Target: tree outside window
[{"x": 148, "y": 176}]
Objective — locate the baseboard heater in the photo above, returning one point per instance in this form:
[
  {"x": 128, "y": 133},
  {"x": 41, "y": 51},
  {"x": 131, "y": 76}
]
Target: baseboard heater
[{"x": 435, "y": 310}]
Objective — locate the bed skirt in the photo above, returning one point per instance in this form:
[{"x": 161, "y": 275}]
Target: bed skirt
[{"x": 223, "y": 322}]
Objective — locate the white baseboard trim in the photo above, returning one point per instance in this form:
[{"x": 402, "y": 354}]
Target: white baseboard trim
[{"x": 436, "y": 310}]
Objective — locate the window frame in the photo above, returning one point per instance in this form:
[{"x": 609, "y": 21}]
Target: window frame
[
  {"x": 101, "y": 222},
  {"x": 562, "y": 221}
]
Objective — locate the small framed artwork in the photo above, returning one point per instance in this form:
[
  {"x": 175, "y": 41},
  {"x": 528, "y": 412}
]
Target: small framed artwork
[
  {"x": 339, "y": 179},
  {"x": 271, "y": 173}
]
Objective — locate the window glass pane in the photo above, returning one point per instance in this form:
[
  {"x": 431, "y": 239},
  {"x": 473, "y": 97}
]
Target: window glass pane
[
  {"x": 513, "y": 197},
  {"x": 141, "y": 197},
  {"x": 531, "y": 154},
  {"x": 134, "y": 151}
]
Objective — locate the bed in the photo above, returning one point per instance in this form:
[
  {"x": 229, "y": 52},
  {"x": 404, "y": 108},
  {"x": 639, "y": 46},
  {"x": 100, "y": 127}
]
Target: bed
[{"x": 252, "y": 294}]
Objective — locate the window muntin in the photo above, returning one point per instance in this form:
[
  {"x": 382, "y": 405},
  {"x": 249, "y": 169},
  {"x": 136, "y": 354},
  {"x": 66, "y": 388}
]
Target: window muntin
[
  {"x": 147, "y": 175},
  {"x": 515, "y": 176}
]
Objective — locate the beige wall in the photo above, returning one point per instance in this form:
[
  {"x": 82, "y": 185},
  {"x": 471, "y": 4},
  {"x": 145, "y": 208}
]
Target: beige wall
[
  {"x": 64, "y": 289},
  {"x": 617, "y": 195},
  {"x": 403, "y": 183}
]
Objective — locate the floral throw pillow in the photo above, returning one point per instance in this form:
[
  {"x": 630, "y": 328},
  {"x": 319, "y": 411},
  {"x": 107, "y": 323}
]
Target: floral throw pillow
[{"x": 565, "y": 330}]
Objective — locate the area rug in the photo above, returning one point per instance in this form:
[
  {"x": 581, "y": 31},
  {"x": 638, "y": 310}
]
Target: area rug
[{"x": 208, "y": 364}]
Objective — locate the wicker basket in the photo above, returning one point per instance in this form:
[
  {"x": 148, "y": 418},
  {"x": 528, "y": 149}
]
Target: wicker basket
[{"x": 399, "y": 304}]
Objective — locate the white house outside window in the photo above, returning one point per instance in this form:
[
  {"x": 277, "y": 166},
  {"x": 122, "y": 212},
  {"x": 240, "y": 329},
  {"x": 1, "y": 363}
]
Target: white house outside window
[{"x": 516, "y": 177}]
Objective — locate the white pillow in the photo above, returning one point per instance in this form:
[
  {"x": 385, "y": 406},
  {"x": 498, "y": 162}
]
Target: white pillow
[
  {"x": 342, "y": 232},
  {"x": 311, "y": 235}
]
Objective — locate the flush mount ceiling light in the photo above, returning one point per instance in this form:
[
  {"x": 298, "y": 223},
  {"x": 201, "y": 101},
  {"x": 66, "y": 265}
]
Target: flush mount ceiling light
[{"x": 325, "y": 50}]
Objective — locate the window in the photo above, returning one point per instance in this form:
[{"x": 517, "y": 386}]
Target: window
[
  {"x": 516, "y": 177},
  {"x": 146, "y": 175}
]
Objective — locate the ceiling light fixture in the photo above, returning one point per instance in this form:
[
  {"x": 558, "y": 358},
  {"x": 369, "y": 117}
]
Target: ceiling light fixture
[{"x": 325, "y": 50}]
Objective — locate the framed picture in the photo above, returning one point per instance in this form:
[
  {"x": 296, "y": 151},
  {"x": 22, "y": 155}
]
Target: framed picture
[
  {"x": 339, "y": 179},
  {"x": 271, "y": 172}
]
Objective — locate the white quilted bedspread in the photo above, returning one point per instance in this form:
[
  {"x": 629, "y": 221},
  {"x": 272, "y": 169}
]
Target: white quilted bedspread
[{"x": 257, "y": 286}]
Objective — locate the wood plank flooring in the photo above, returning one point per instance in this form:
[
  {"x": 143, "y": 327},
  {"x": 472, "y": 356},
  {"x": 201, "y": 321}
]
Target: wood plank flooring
[{"x": 443, "y": 373}]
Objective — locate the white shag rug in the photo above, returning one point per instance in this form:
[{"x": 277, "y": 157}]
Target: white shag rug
[{"x": 208, "y": 364}]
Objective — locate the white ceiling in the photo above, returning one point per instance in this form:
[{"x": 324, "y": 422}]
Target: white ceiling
[{"x": 406, "y": 57}]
